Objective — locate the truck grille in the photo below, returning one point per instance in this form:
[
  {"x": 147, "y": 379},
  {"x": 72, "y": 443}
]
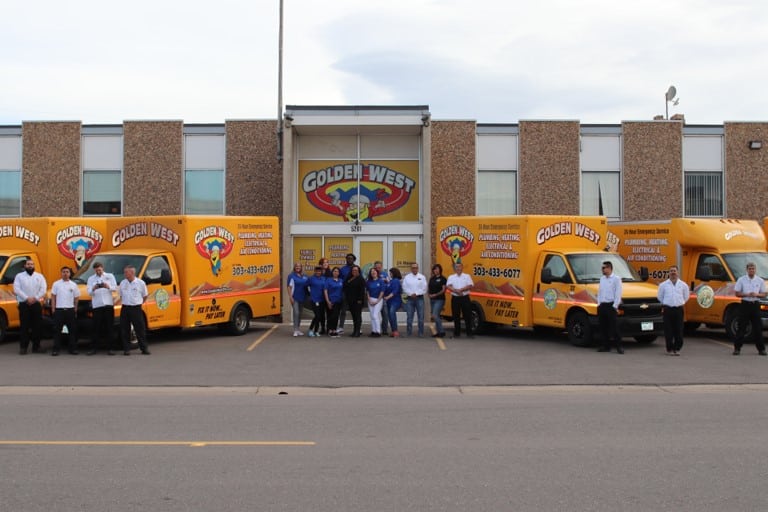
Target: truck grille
[{"x": 640, "y": 308}]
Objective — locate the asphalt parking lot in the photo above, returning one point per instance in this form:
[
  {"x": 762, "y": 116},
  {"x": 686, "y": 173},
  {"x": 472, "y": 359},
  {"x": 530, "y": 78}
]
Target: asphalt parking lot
[{"x": 268, "y": 355}]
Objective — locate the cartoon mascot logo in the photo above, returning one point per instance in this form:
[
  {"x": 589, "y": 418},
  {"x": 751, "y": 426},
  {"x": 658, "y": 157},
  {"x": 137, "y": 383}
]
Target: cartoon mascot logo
[
  {"x": 214, "y": 243},
  {"x": 78, "y": 243},
  {"x": 456, "y": 241},
  {"x": 335, "y": 190}
]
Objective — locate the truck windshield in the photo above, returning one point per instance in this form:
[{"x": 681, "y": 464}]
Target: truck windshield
[
  {"x": 587, "y": 268},
  {"x": 113, "y": 263},
  {"x": 737, "y": 262}
]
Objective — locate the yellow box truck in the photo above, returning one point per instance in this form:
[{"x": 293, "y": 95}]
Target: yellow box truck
[
  {"x": 543, "y": 271},
  {"x": 199, "y": 270},
  {"x": 51, "y": 242},
  {"x": 711, "y": 255}
]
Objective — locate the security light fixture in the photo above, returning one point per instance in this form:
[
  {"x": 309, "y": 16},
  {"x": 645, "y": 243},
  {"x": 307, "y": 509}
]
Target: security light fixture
[{"x": 755, "y": 144}]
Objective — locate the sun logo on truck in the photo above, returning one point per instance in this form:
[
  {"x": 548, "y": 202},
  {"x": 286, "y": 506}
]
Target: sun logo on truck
[
  {"x": 456, "y": 241},
  {"x": 78, "y": 243},
  {"x": 214, "y": 249}
]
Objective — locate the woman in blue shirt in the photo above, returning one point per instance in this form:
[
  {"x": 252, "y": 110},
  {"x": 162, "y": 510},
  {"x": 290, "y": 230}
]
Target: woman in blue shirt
[
  {"x": 394, "y": 297},
  {"x": 317, "y": 296},
  {"x": 297, "y": 292},
  {"x": 334, "y": 295},
  {"x": 374, "y": 288}
]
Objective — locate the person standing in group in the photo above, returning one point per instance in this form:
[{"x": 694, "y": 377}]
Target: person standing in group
[
  {"x": 393, "y": 296},
  {"x": 133, "y": 293},
  {"x": 374, "y": 288},
  {"x": 100, "y": 287},
  {"x": 297, "y": 293},
  {"x": 673, "y": 294},
  {"x": 751, "y": 288},
  {"x": 384, "y": 276},
  {"x": 65, "y": 295},
  {"x": 436, "y": 290},
  {"x": 30, "y": 287},
  {"x": 346, "y": 270},
  {"x": 608, "y": 300},
  {"x": 415, "y": 287},
  {"x": 334, "y": 296},
  {"x": 326, "y": 265},
  {"x": 354, "y": 295},
  {"x": 316, "y": 284},
  {"x": 460, "y": 284}
]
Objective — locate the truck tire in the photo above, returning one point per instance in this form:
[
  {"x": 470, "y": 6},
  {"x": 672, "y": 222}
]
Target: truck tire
[
  {"x": 579, "y": 329},
  {"x": 646, "y": 339},
  {"x": 240, "y": 321},
  {"x": 477, "y": 320},
  {"x": 3, "y": 327},
  {"x": 732, "y": 320}
]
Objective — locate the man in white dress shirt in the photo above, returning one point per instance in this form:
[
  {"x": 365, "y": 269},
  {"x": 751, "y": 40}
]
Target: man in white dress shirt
[
  {"x": 608, "y": 301},
  {"x": 30, "y": 287},
  {"x": 65, "y": 295},
  {"x": 101, "y": 284},
  {"x": 133, "y": 293},
  {"x": 673, "y": 294},
  {"x": 751, "y": 288},
  {"x": 414, "y": 285},
  {"x": 459, "y": 285}
]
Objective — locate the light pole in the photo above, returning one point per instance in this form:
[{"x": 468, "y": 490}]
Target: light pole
[
  {"x": 670, "y": 96},
  {"x": 280, "y": 87}
]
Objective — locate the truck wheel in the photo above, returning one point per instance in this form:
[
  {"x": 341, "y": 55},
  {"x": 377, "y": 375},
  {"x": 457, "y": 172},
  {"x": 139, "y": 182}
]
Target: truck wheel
[
  {"x": 579, "y": 329},
  {"x": 732, "y": 320},
  {"x": 646, "y": 339},
  {"x": 3, "y": 327},
  {"x": 240, "y": 322},
  {"x": 477, "y": 319}
]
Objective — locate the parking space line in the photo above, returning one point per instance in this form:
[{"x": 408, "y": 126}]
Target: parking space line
[
  {"x": 438, "y": 340},
  {"x": 262, "y": 338},
  {"x": 729, "y": 345},
  {"x": 195, "y": 444}
]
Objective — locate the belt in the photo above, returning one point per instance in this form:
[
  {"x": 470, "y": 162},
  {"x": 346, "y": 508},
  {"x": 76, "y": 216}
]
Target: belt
[
  {"x": 420, "y": 296},
  {"x": 606, "y": 303},
  {"x": 65, "y": 309},
  {"x": 131, "y": 305},
  {"x": 672, "y": 307}
]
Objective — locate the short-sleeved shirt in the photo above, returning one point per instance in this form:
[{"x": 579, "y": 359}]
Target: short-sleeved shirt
[
  {"x": 298, "y": 284},
  {"x": 101, "y": 297},
  {"x": 316, "y": 286},
  {"x": 132, "y": 293},
  {"x": 396, "y": 290},
  {"x": 335, "y": 292},
  {"x": 458, "y": 282},
  {"x": 375, "y": 287},
  {"x": 746, "y": 285},
  {"x": 66, "y": 292}
]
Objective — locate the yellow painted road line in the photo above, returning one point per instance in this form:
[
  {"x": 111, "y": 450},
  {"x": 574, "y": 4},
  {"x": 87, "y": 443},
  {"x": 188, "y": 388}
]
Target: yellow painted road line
[
  {"x": 262, "y": 338},
  {"x": 439, "y": 341},
  {"x": 729, "y": 345},
  {"x": 157, "y": 443}
]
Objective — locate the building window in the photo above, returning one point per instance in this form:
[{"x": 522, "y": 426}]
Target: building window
[
  {"x": 703, "y": 194},
  {"x": 204, "y": 177},
  {"x": 703, "y": 175},
  {"x": 10, "y": 176},
  {"x": 102, "y": 174},
  {"x": 204, "y": 192},
  {"x": 601, "y": 175},
  {"x": 496, "y": 192},
  {"x": 600, "y": 194},
  {"x": 496, "y": 173}
]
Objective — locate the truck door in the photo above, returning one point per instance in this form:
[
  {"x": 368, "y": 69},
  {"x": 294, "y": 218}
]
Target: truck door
[
  {"x": 163, "y": 305},
  {"x": 8, "y": 301},
  {"x": 552, "y": 300},
  {"x": 709, "y": 286}
]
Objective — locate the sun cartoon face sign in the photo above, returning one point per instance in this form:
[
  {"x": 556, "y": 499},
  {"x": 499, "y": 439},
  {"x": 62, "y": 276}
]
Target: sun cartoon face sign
[
  {"x": 78, "y": 243},
  {"x": 335, "y": 190},
  {"x": 214, "y": 243},
  {"x": 456, "y": 241}
]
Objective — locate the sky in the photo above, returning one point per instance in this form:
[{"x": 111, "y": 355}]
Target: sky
[{"x": 491, "y": 61}]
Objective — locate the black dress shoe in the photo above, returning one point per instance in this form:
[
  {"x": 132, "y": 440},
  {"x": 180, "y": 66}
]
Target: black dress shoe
[
  {"x": 54, "y": 352},
  {"x": 736, "y": 352},
  {"x": 763, "y": 353},
  {"x": 22, "y": 351},
  {"x": 145, "y": 352},
  {"x": 126, "y": 353},
  {"x": 90, "y": 352},
  {"x": 110, "y": 353},
  {"x": 620, "y": 350}
]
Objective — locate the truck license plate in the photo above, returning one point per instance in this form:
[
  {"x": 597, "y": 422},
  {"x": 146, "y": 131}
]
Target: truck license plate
[{"x": 646, "y": 326}]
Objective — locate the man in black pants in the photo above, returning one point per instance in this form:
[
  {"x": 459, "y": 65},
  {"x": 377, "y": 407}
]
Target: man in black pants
[
  {"x": 100, "y": 287},
  {"x": 608, "y": 300},
  {"x": 133, "y": 293},
  {"x": 751, "y": 288},
  {"x": 460, "y": 284},
  {"x": 30, "y": 287}
]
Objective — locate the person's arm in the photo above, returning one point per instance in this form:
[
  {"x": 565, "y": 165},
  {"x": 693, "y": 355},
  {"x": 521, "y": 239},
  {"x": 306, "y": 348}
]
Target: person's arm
[
  {"x": 77, "y": 298},
  {"x": 617, "y": 293}
]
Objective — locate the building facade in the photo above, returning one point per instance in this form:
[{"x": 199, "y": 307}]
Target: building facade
[{"x": 372, "y": 180}]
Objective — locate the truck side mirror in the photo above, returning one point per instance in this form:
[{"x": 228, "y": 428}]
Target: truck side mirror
[
  {"x": 165, "y": 277},
  {"x": 546, "y": 275},
  {"x": 644, "y": 273}
]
